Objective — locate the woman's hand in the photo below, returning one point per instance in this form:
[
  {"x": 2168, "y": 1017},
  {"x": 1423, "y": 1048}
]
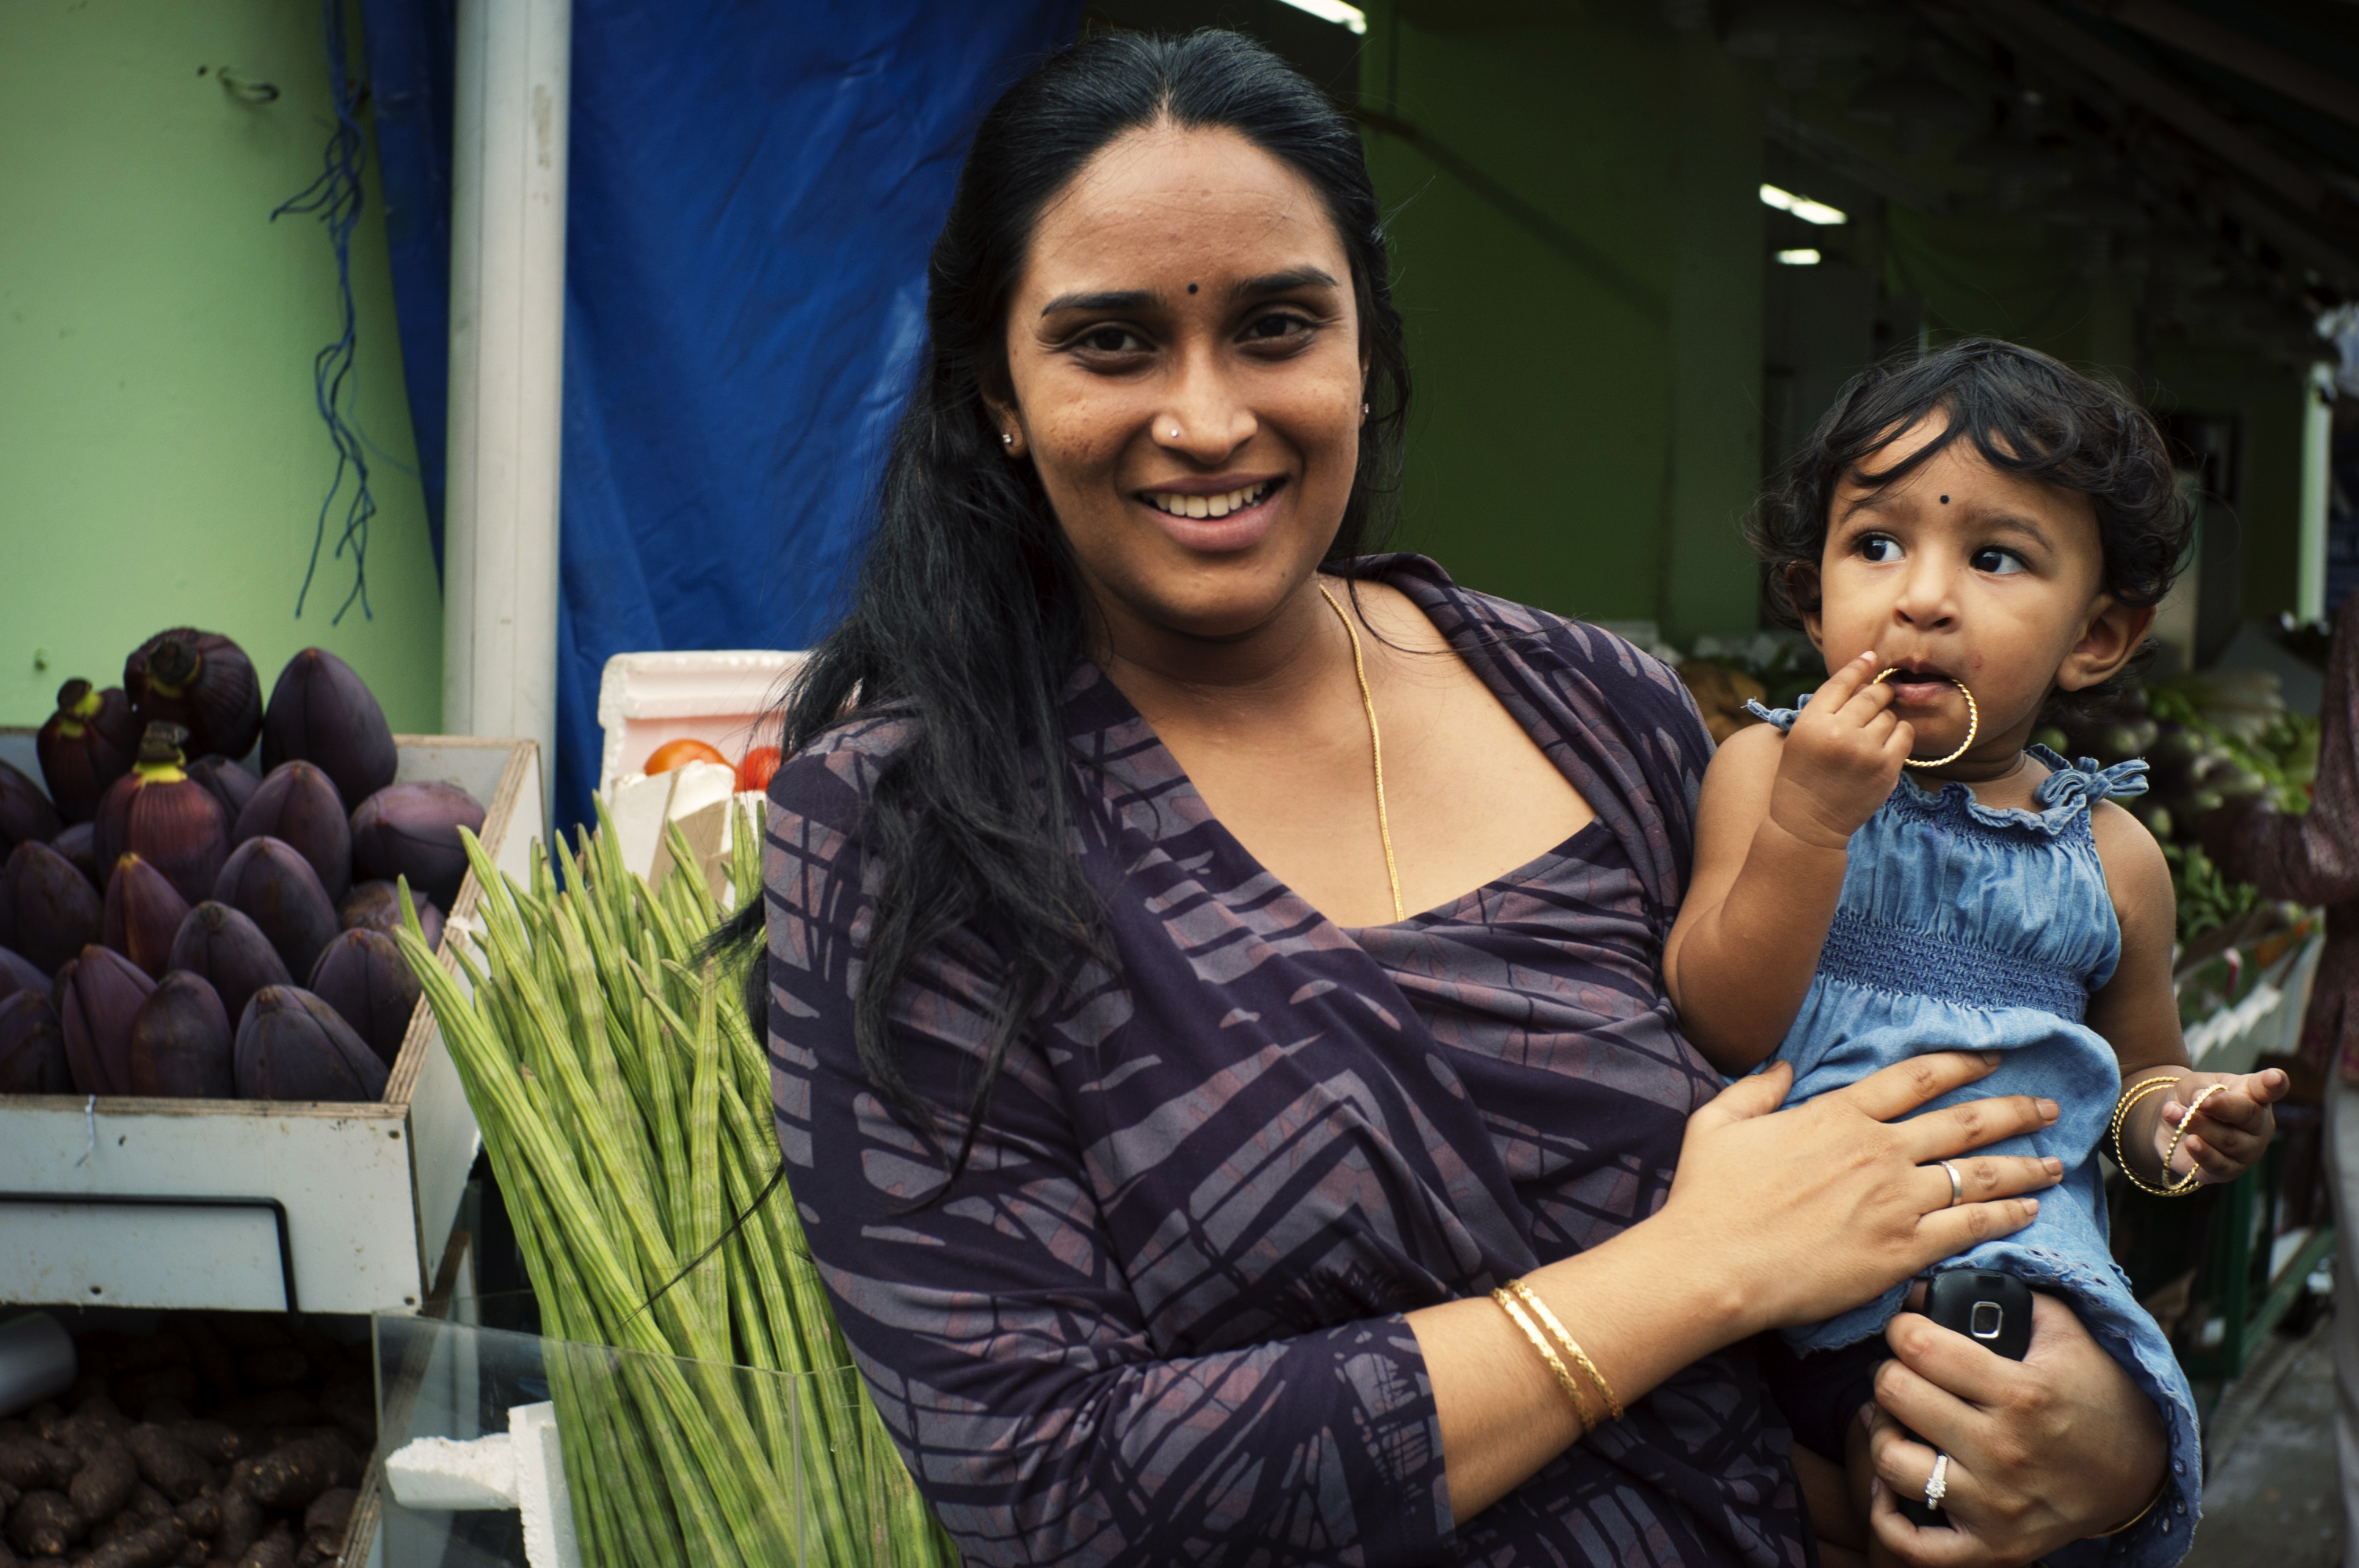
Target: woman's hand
[
  {"x": 1810, "y": 1211},
  {"x": 2042, "y": 1451}
]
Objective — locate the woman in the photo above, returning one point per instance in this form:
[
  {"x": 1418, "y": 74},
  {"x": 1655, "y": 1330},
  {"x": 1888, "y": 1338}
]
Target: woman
[{"x": 1161, "y": 1165}]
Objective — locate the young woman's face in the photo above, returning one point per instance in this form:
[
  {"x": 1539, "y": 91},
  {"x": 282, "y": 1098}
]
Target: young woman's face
[
  {"x": 1183, "y": 347},
  {"x": 1965, "y": 572}
]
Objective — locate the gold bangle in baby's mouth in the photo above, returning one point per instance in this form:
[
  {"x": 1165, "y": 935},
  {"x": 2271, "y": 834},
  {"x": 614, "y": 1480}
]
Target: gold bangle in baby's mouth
[{"x": 1973, "y": 721}]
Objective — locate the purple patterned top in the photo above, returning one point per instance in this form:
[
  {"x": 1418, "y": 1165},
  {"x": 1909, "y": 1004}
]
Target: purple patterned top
[{"x": 1160, "y": 1318}]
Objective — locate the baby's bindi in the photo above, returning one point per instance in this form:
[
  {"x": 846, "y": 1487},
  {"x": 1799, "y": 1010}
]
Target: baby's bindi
[{"x": 1192, "y": 288}]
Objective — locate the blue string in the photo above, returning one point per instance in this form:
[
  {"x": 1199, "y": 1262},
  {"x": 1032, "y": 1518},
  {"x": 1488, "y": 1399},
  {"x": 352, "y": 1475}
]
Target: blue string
[{"x": 335, "y": 197}]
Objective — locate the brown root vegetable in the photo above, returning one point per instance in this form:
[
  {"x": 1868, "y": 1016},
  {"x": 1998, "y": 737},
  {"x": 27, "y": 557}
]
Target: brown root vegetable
[
  {"x": 330, "y": 1518},
  {"x": 33, "y": 1464},
  {"x": 214, "y": 1442},
  {"x": 104, "y": 1483},
  {"x": 289, "y": 1478},
  {"x": 164, "y": 1411},
  {"x": 45, "y": 1525},
  {"x": 147, "y": 1502},
  {"x": 240, "y": 1523},
  {"x": 201, "y": 1514},
  {"x": 276, "y": 1549},
  {"x": 156, "y": 1544},
  {"x": 173, "y": 1468}
]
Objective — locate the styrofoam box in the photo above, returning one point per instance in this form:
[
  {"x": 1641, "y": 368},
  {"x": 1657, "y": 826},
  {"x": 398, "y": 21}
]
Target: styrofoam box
[
  {"x": 646, "y": 699},
  {"x": 261, "y": 1205}
]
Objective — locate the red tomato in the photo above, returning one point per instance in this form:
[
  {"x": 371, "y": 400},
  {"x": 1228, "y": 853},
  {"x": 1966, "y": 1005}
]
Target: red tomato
[
  {"x": 679, "y": 753},
  {"x": 754, "y": 772}
]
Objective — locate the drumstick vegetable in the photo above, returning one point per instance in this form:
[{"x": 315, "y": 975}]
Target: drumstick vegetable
[{"x": 624, "y": 1102}]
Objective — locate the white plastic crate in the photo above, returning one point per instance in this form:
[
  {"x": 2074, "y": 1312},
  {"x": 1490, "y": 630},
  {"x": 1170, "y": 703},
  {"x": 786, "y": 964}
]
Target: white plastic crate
[
  {"x": 261, "y": 1205},
  {"x": 646, "y": 699}
]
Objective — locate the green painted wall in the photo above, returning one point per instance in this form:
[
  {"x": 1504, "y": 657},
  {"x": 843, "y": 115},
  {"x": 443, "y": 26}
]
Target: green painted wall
[
  {"x": 160, "y": 459},
  {"x": 1576, "y": 239}
]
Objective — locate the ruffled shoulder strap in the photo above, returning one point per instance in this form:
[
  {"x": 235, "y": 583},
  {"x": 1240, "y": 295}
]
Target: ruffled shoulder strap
[
  {"x": 2070, "y": 784},
  {"x": 1783, "y": 717}
]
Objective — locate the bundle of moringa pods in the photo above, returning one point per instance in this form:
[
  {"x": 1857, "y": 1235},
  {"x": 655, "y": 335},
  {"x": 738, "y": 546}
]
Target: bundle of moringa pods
[{"x": 626, "y": 1105}]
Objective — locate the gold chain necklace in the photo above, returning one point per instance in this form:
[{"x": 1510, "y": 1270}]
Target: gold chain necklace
[{"x": 1376, "y": 745}]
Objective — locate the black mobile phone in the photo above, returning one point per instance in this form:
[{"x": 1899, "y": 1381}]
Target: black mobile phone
[{"x": 1992, "y": 1310}]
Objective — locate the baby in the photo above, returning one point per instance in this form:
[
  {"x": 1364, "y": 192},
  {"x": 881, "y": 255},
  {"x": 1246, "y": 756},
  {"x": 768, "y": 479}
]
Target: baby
[{"x": 1964, "y": 536}]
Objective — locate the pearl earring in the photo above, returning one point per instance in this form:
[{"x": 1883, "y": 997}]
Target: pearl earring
[{"x": 1006, "y": 439}]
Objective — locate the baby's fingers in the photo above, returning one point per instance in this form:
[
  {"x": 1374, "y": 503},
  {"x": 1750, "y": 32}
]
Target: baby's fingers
[
  {"x": 2217, "y": 1165},
  {"x": 1846, "y": 679}
]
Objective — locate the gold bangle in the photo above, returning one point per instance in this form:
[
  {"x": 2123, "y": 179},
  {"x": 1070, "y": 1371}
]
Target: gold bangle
[
  {"x": 1581, "y": 1357},
  {"x": 1539, "y": 1343},
  {"x": 2121, "y": 1155},
  {"x": 2194, "y": 1173},
  {"x": 2159, "y": 1493}
]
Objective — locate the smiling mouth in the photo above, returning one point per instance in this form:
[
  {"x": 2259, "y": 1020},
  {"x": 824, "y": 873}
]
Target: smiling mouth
[{"x": 1178, "y": 505}]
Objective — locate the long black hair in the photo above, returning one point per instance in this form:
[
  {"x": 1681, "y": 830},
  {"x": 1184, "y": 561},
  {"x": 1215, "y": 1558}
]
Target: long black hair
[{"x": 968, "y": 617}]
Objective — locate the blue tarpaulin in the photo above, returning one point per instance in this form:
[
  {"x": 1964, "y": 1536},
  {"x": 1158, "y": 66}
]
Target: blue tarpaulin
[{"x": 751, "y": 193}]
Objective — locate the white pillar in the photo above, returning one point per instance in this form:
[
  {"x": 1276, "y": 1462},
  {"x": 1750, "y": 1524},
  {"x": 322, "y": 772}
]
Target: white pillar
[
  {"x": 2316, "y": 478},
  {"x": 508, "y": 342}
]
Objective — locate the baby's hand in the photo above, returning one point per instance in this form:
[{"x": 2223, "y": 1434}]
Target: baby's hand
[
  {"x": 1841, "y": 759},
  {"x": 2229, "y": 1132}
]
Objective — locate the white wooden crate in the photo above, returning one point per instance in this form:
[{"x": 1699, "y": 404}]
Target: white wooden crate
[{"x": 261, "y": 1205}]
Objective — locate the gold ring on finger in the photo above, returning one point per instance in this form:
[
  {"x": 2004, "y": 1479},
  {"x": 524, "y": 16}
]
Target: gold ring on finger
[
  {"x": 1973, "y": 721},
  {"x": 1957, "y": 1184}
]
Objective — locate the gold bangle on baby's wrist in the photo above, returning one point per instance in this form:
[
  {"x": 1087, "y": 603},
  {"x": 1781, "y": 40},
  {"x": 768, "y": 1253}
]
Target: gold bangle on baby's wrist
[
  {"x": 2180, "y": 1189},
  {"x": 1521, "y": 1319}
]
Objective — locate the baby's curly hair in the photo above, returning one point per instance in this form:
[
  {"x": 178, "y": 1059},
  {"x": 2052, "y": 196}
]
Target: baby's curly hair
[{"x": 2025, "y": 414}]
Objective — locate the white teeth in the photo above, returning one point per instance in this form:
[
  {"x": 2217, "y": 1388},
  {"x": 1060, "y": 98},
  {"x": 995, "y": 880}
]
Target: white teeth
[{"x": 1180, "y": 505}]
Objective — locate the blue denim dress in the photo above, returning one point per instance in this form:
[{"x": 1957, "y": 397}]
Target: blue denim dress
[{"x": 1968, "y": 927}]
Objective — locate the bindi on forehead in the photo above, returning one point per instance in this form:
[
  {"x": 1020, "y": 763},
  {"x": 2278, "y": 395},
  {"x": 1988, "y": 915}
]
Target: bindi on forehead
[{"x": 1192, "y": 288}]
